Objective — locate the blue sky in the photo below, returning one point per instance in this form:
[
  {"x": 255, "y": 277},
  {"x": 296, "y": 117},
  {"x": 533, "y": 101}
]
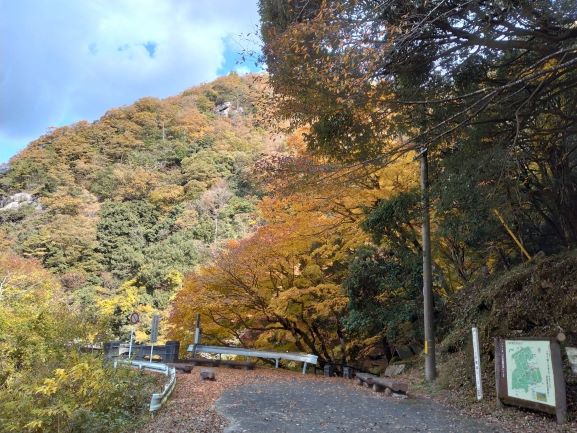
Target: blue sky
[{"x": 62, "y": 61}]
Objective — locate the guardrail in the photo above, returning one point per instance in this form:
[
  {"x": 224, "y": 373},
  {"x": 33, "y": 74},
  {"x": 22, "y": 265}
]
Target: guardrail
[
  {"x": 305, "y": 358},
  {"x": 157, "y": 399},
  {"x": 168, "y": 352}
]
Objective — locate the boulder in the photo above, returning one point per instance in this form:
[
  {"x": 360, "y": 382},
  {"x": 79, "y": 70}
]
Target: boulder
[
  {"x": 207, "y": 374},
  {"x": 16, "y": 201},
  {"x": 394, "y": 370}
]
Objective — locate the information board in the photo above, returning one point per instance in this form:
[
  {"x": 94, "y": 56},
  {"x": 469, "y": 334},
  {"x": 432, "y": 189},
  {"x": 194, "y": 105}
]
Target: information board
[{"x": 529, "y": 373}]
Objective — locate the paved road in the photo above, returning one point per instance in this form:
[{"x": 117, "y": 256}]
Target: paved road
[{"x": 334, "y": 406}]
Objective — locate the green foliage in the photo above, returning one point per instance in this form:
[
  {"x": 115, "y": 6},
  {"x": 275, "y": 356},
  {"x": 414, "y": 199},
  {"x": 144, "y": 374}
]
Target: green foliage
[
  {"x": 45, "y": 385},
  {"x": 384, "y": 291},
  {"x": 207, "y": 167},
  {"x": 124, "y": 230},
  {"x": 178, "y": 253},
  {"x": 393, "y": 219},
  {"x": 83, "y": 394}
]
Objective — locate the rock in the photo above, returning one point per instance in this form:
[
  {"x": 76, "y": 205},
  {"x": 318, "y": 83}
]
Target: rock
[
  {"x": 394, "y": 370},
  {"x": 18, "y": 200},
  {"x": 11, "y": 206},
  {"x": 403, "y": 352},
  {"x": 22, "y": 197},
  {"x": 388, "y": 392},
  {"x": 223, "y": 109},
  {"x": 226, "y": 109},
  {"x": 207, "y": 374}
]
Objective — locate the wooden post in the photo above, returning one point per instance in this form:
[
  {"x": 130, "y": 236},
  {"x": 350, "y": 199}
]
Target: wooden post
[
  {"x": 430, "y": 363},
  {"x": 498, "y": 366},
  {"x": 559, "y": 380}
]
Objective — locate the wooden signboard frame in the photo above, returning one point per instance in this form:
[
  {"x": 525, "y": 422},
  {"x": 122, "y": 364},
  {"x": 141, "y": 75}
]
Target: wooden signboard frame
[{"x": 560, "y": 408}]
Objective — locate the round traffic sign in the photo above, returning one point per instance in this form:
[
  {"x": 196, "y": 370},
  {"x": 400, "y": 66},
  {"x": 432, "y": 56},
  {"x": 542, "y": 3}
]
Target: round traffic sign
[{"x": 134, "y": 318}]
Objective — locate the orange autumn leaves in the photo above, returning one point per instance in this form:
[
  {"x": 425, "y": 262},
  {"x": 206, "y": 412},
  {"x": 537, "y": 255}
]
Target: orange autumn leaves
[{"x": 280, "y": 287}]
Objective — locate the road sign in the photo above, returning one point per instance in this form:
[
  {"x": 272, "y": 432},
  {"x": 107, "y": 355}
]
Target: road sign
[
  {"x": 154, "y": 328},
  {"x": 529, "y": 373},
  {"x": 134, "y": 318}
]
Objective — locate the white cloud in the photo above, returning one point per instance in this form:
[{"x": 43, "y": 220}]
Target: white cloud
[
  {"x": 66, "y": 60},
  {"x": 242, "y": 70}
]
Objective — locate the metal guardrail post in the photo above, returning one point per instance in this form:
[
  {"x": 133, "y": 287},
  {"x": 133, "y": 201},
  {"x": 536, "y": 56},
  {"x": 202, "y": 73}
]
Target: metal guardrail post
[{"x": 157, "y": 399}]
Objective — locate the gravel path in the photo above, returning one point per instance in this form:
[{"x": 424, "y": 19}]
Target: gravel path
[{"x": 333, "y": 406}]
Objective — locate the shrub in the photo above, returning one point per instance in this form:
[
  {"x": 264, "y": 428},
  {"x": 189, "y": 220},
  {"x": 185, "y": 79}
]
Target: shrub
[{"x": 84, "y": 394}]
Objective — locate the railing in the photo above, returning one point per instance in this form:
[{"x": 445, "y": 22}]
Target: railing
[
  {"x": 118, "y": 349},
  {"x": 239, "y": 351},
  {"x": 157, "y": 399}
]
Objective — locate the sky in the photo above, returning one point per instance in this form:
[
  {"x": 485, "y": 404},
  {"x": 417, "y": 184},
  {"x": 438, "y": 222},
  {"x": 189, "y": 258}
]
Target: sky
[{"x": 62, "y": 61}]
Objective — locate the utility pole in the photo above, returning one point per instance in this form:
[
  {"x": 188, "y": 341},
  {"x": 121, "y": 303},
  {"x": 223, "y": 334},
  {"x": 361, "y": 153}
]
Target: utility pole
[{"x": 430, "y": 363}]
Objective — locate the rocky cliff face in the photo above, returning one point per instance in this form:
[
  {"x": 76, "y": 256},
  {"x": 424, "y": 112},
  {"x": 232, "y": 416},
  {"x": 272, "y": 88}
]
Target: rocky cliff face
[
  {"x": 16, "y": 201},
  {"x": 227, "y": 109}
]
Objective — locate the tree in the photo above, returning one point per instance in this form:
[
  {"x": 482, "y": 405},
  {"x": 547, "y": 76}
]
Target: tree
[
  {"x": 375, "y": 80},
  {"x": 384, "y": 290},
  {"x": 213, "y": 201},
  {"x": 281, "y": 286},
  {"x": 362, "y": 73}
]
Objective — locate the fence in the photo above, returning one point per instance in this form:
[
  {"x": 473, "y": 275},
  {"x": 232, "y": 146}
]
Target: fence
[{"x": 167, "y": 353}]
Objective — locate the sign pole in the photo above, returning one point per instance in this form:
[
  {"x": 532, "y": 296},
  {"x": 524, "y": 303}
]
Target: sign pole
[
  {"x": 130, "y": 345},
  {"x": 134, "y": 318},
  {"x": 477, "y": 361}
]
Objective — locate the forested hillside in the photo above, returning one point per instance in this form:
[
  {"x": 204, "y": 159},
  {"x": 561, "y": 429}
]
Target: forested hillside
[
  {"x": 121, "y": 208},
  {"x": 288, "y": 209}
]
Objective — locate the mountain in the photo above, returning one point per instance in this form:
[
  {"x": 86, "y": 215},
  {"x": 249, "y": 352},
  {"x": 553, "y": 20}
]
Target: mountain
[{"x": 143, "y": 194}]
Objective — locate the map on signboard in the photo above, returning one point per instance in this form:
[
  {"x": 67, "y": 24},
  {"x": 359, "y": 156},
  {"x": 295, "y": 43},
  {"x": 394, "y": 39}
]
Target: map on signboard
[{"x": 530, "y": 371}]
